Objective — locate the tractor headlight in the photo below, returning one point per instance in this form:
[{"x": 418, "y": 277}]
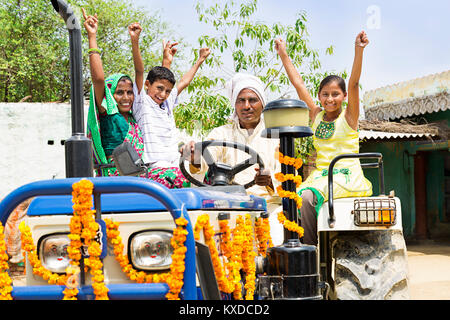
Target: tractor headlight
[
  {"x": 53, "y": 252},
  {"x": 377, "y": 211},
  {"x": 151, "y": 250}
]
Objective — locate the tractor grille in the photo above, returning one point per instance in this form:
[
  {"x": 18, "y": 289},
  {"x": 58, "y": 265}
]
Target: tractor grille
[{"x": 375, "y": 212}]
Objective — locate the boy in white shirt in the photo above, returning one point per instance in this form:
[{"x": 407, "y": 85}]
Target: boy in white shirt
[{"x": 154, "y": 104}]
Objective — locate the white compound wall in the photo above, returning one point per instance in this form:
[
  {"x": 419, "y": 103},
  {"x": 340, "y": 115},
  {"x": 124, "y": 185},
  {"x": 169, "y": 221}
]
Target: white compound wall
[
  {"x": 32, "y": 142},
  {"x": 32, "y": 139}
]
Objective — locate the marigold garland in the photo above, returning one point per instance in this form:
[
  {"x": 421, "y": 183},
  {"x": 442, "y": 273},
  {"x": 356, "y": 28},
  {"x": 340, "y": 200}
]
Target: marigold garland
[
  {"x": 238, "y": 253},
  {"x": 248, "y": 258},
  {"x": 174, "y": 278},
  {"x": 225, "y": 285},
  {"x": 236, "y": 256},
  {"x": 84, "y": 227},
  {"x": 290, "y": 225},
  {"x": 71, "y": 291},
  {"x": 29, "y": 247},
  {"x": 285, "y": 177},
  {"x": 5, "y": 279},
  {"x": 291, "y": 195},
  {"x": 113, "y": 234},
  {"x": 297, "y": 163},
  {"x": 225, "y": 238},
  {"x": 231, "y": 256},
  {"x": 262, "y": 229}
]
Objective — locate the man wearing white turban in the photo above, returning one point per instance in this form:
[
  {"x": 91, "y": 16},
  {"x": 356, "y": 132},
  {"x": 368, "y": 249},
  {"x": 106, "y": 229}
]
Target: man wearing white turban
[
  {"x": 246, "y": 94},
  {"x": 242, "y": 81}
]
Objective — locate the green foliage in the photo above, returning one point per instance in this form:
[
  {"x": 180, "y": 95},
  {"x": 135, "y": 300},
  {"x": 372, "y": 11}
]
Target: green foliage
[
  {"x": 248, "y": 43},
  {"x": 34, "y": 55},
  {"x": 29, "y": 62}
]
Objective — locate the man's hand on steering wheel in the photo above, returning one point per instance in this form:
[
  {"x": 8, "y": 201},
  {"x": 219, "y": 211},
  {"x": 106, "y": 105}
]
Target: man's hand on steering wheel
[
  {"x": 221, "y": 174},
  {"x": 263, "y": 178},
  {"x": 187, "y": 151}
]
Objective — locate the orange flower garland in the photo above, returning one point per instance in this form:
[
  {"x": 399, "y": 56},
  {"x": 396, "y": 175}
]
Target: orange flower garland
[
  {"x": 291, "y": 195},
  {"x": 285, "y": 177},
  {"x": 174, "y": 278},
  {"x": 5, "y": 279},
  {"x": 71, "y": 291},
  {"x": 297, "y": 163},
  {"x": 225, "y": 285},
  {"x": 262, "y": 229},
  {"x": 238, "y": 254},
  {"x": 29, "y": 247},
  {"x": 74, "y": 251},
  {"x": 83, "y": 216},
  {"x": 290, "y": 225},
  {"x": 248, "y": 259},
  {"x": 225, "y": 238},
  {"x": 232, "y": 266},
  {"x": 70, "y": 279},
  {"x": 113, "y": 234}
]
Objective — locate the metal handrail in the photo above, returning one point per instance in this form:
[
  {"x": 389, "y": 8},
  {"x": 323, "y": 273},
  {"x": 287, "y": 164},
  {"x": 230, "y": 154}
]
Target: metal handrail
[
  {"x": 370, "y": 155},
  {"x": 111, "y": 185}
]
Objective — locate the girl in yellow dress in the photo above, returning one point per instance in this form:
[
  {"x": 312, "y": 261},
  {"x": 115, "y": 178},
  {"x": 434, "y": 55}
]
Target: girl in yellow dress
[{"x": 335, "y": 132}]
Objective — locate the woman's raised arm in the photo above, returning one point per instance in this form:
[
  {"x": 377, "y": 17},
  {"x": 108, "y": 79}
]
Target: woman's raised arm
[{"x": 95, "y": 61}]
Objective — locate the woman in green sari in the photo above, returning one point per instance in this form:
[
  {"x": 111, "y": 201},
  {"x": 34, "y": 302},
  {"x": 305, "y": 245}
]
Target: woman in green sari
[{"x": 110, "y": 121}]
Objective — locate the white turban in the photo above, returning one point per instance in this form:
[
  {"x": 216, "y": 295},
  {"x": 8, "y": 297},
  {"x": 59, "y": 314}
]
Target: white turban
[{"x": 242, "y": 81}]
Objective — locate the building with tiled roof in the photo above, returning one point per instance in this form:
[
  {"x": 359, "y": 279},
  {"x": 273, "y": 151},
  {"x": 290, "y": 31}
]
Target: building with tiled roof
[{"x": 417, "y": 162}]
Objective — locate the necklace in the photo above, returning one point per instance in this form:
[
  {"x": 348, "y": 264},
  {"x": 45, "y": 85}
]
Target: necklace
[{"x": 325, "y": 130}]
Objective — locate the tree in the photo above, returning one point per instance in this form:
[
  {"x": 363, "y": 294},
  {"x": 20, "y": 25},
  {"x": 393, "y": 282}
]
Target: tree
[
  {"x": 34, "y": 48},
  {"x": 29, "y": 44},
  {"x": 249, "y": 44}
]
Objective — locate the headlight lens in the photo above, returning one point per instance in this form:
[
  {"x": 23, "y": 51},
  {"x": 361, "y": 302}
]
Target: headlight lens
[
  {"x": 151, "y": 250},
  {"x": 53, "y": 253}
]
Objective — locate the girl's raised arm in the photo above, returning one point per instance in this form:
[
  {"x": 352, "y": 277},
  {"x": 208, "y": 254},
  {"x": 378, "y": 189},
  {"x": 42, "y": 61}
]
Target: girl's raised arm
[
  {"x": 352, "y": 111},
  {"x": 95, "y": 61},
  {"x": 296, "y": 79}
]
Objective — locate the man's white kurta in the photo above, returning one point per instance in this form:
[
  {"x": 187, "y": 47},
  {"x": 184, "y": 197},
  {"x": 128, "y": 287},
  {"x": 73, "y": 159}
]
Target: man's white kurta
[{"x": 266, "y": 149}]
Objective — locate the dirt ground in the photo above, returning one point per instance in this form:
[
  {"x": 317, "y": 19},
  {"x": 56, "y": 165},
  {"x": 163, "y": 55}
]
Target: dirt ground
[{"x": 429, "y": 270}]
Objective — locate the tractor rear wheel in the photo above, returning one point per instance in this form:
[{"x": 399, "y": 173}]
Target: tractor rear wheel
[{"x": 370, "y": 265}]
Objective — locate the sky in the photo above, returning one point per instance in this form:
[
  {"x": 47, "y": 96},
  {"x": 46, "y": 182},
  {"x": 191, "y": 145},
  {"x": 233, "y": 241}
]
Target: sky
[{"x": 408, "y": 39}]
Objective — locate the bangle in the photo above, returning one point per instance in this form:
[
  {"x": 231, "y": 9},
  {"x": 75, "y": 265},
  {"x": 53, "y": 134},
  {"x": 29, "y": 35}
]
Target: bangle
[{"x": 93, "y": 50}]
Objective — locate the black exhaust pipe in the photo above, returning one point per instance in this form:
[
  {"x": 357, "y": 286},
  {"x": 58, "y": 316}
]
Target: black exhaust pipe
[
  {"x": 78, "y": 148},
  {"x": 292, "y": 271}
]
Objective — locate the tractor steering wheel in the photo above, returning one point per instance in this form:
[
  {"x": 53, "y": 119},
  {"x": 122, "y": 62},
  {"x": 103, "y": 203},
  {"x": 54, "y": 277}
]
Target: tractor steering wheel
[{"x": 221, "y": 174}]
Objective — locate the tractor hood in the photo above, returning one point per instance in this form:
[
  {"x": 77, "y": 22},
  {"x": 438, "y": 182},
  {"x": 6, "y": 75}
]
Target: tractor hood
[{"x": 193, "y": 199}]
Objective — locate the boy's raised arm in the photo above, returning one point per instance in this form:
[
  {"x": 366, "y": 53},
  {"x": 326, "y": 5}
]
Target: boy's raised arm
[
  {"x": 169, "y": 51},
  {"x": 134, "y": 30},
  {"x": 95, "y": 61},
  {"x": 188, "y": 76}
]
